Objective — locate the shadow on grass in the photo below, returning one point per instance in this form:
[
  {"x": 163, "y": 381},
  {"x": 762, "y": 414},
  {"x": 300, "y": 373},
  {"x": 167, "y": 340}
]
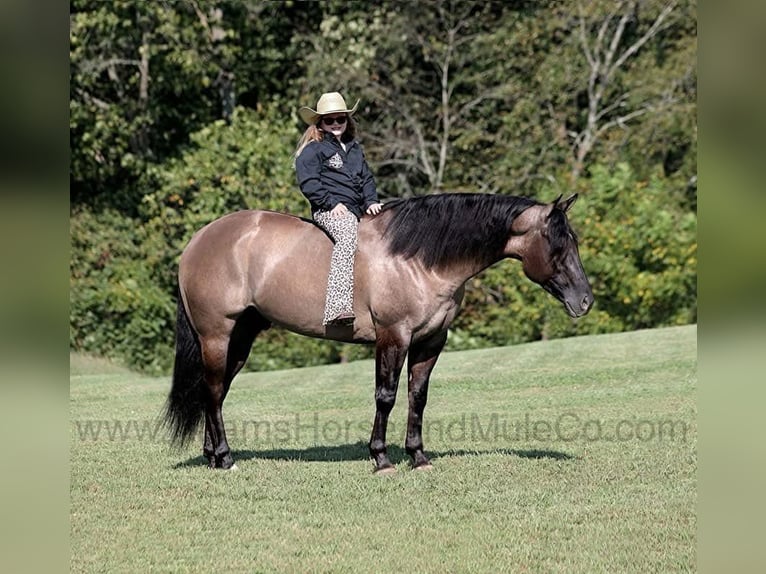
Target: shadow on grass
[{"x": 359, "y": 451}]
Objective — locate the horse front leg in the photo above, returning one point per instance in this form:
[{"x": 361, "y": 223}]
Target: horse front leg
[
  {"x": 391, "y": 349},
  {"x": 422, "y": 359}
]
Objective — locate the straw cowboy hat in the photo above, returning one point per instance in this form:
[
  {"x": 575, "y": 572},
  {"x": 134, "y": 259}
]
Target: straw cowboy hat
[{"x": 329, "y": 103}]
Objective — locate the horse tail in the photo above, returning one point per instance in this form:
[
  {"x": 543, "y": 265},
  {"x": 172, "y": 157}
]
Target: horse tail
[{"x": 185, "y": 406}]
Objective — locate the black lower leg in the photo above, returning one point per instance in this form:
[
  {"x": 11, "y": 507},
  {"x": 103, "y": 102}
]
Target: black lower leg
[
  {"x": 414, "y": 442},
  {"x": 389, "y": 360},
  {"x": 220, "y": 367},
  {"x": 384, "y": 403},
  {"x": 244, "y": 332},
  {"x": 207, "y": 447},
  {"x": 216, "y": 448},
  {"x": 221, "y": 452},
  {"x": 422, "y": 361}
]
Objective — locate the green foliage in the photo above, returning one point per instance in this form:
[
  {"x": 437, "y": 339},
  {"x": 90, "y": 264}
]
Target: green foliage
[
  {"x": 116, "y": 307},
  {"x": 142, "y": 76},
  {"x": 640, "y": 247},
  {"x": 146, "y": 75},
  {"x": 242, "y": 164},
  {"x": 494, "y": 97},
  {"x": 280, "y": 349}
]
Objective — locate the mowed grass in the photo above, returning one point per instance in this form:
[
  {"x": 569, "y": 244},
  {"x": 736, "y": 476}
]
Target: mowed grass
[{"x": 573, "y": 455}]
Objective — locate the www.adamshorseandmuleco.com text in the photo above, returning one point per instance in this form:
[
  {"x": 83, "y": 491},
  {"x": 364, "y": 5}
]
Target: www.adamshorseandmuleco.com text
[{"x": 494, "y": 428}]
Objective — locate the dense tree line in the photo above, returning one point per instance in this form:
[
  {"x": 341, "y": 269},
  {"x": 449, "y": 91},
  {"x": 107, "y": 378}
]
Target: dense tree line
[{"x": 183, "y": 111}]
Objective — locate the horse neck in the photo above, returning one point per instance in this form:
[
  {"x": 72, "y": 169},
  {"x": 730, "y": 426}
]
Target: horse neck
[
  {"x": 453, "y": 273},
  {"x": 461, "y": 272}
]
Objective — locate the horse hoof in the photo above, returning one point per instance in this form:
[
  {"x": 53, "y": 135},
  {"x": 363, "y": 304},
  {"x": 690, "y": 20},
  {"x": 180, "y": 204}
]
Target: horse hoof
[
  {"x": 234, "y": 467},
  {"x": 427, "y": 466},
  {"x": 385, "y": 471}
]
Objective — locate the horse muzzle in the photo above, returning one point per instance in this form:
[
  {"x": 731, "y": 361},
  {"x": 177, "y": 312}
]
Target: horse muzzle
[
  {"x": 580, "y": 307},
  {"x": 577, "y": 302}
]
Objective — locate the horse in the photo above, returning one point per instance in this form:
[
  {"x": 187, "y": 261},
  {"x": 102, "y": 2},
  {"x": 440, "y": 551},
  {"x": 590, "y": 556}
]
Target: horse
[{"x": 253, "y": 269}]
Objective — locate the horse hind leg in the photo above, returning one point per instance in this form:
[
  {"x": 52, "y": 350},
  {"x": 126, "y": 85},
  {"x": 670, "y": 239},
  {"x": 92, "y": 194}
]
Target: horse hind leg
[
  {"x": 215, "y": 447},
  {"x": 247, "y": 327},
  {"x": 223, "y": 360}
]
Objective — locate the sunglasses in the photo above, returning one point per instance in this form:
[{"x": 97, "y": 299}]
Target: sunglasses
[{"x": 340, "y": 120}]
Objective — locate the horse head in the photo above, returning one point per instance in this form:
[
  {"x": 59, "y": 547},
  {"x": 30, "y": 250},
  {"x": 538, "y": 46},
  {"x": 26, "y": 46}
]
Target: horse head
[{"x": 547, "y": 247}]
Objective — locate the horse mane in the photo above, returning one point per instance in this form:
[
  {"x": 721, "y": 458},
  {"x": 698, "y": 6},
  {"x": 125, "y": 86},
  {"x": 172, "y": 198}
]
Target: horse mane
[
  {"x": 559, "y": 232},
  {"x": 447, "y": 228}
]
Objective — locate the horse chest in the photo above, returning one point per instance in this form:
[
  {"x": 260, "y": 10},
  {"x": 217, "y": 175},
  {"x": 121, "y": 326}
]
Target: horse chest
[{"x": 439, "y": 314}]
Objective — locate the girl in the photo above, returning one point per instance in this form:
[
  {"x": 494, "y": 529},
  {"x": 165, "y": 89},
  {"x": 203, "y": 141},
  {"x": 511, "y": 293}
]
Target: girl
[{"x": 334, "y": 176}]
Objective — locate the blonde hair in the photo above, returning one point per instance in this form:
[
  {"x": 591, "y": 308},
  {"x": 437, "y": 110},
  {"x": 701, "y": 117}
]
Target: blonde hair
[{"x": 314, "y": 134}]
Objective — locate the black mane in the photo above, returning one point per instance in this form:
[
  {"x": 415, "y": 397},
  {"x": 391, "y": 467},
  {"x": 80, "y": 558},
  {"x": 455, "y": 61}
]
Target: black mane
[
  {"x": 446, "y": 228},
  {"x": 559, "y": 233}
]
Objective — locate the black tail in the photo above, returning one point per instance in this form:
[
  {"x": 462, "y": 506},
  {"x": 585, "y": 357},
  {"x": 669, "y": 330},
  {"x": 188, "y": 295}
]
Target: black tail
[{"x": 185, "y": 406}]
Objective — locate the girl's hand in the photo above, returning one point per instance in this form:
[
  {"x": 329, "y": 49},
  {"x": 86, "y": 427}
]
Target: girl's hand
[
  {"x": 374, "y": 209},
  {"x": 339, "y": 210}
]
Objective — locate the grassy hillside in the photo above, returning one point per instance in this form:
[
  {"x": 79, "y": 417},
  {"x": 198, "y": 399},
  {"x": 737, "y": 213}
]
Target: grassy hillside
[{"x": 568, "y": 455}]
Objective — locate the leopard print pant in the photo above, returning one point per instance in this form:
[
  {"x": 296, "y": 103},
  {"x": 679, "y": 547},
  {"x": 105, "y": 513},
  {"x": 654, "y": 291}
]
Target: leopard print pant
[{"x": 340, "y": 282}]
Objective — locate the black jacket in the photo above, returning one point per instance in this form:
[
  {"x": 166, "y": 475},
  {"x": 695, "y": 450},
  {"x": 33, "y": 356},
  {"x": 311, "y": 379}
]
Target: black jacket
[{"x": 327, "y": 176}]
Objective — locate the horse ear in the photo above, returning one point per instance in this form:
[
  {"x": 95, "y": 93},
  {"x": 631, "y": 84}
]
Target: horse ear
[
  {"x": 554, "y": 205},
  {"x": 568, "y": 203}
]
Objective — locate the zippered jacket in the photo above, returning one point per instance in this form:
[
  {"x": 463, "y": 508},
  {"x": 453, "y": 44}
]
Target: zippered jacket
[{"x": 327, "y": 175}]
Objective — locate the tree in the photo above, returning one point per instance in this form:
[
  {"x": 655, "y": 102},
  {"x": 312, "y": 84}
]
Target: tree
[
  {"x": 608, "y": 47},
  {"x": 145, "y": 75},
  {"x": 142, "y": 76},
  {"x": 415, "y": 66}
]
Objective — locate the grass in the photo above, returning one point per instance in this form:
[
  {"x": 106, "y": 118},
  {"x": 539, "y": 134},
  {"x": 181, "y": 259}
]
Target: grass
[{"x": 573, "y": 455}]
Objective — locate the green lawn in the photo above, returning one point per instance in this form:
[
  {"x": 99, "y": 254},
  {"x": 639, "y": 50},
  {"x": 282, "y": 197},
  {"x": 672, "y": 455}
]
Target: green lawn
[{"x": 573, "y": 455}]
